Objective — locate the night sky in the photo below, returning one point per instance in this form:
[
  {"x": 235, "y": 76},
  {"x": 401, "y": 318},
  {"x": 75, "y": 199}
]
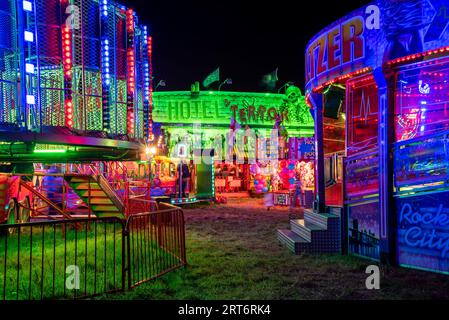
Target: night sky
[{"x": 246, "y": 38}]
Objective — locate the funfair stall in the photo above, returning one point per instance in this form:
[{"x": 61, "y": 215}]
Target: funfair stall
[
  {"x": 237, "y": 126},
  {"x": 378, "y": 78}
]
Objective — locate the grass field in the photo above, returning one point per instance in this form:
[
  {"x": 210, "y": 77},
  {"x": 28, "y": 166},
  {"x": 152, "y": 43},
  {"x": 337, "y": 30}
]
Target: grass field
[
  {"x": 233, "y": 254},
  {"x": 33, "y": 263},
  {"x": 37, "y": 258}
]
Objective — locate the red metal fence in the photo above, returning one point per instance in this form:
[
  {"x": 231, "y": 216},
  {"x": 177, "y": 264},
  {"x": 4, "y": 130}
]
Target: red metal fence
[
  {"x": 78, "y": 258},
  {"x": 156, "y": 244}
]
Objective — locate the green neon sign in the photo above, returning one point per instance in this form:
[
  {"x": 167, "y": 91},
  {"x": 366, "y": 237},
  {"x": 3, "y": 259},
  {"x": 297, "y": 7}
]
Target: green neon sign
[{"x": 219, "y": 108}]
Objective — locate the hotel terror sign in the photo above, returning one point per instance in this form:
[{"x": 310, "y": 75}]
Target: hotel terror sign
[
  {"x": 220, "y": 108},
  {"x": 220, "y": 111}
]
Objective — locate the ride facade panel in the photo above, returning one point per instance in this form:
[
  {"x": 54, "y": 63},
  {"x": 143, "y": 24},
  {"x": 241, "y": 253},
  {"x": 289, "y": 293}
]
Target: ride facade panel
[{"x": 389, "y": 62}]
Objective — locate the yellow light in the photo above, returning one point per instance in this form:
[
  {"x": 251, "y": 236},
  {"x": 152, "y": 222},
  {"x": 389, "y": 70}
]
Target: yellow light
[{"x": 150, "y": 150}]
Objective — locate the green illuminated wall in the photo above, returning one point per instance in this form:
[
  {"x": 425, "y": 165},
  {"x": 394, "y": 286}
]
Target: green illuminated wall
[{"x": 214, "y": 110}]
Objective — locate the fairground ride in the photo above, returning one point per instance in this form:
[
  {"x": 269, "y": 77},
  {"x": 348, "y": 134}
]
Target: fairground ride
[{"x": 75, "y": 104}]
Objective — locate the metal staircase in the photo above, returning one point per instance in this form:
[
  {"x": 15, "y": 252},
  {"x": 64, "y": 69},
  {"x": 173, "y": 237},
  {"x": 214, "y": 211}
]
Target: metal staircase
[
  {"x": 96, "y": 192},
  {"x": 316, "y": 233}
]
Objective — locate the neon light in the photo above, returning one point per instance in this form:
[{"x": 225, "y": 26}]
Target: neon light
[
  {"x": 105, "y": 63},
  {"x": 410, "y": 123},
  {"x": 213, "y": 182},
  {"x": 104, "y": 8},
  {"x": 29, "y": 36},
  {"x": 429, "y": 54},
  {"x": 29, "y": 68},
  {"x": 31, "y": 99},
  {"x": 424, "y": 88},
  {"x": 27, "y": 6},
  {"x": 147, "y": 83},
  {"x": 344, "y": 77},
  {"x": 51, "y": 151},
  {"x": 150, "y": 86},
  {"x": 423, "y": 227},
  {"x": 131, "y": 71},
  {"x": 67, "y": 66}
]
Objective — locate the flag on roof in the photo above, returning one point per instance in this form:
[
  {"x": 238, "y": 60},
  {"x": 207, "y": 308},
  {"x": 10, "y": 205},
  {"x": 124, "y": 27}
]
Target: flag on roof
[
  {"x": 212, "y": 77},
  {"x": 269, "y": 80}
]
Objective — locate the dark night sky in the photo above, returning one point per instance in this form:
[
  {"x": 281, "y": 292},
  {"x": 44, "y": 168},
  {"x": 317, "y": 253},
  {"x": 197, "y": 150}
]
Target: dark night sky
[{"x": 247, "y": 39}]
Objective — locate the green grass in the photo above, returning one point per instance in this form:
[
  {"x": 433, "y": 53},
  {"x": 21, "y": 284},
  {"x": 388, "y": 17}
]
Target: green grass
[
  {"x": 37, "y": 259},
  {"x": 95, "y": 249},
  {"x": 233, "y": 253}
]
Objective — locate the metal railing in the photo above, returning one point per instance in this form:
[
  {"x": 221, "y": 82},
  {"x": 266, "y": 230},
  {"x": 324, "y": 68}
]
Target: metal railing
[
  {"x": 66, "y": 259},
  {"x": 115, "y": 178},
  {"x": 79, "y": 258},
  {"x": 49, "y": 195},
  {"x": 156, "y": 244}
]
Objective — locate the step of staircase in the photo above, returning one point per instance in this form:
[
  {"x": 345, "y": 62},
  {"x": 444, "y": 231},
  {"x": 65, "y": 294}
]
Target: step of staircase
[
  {"x": 102, "y": 200},
  {"x": 316, "y": 233},
  {"x": 85, "y": 186},
  {"x": 109, "y": 214},
  {"x": 304, "y": 229},
  {"x": 77, "y": 179},
  {"x": 335, "y": 211},
  {"x": 293, "y": 241},
  {"x": 93, "y": 193},
  {"x": 319, "y": 219},
  {"x": 103, "y": 208}
]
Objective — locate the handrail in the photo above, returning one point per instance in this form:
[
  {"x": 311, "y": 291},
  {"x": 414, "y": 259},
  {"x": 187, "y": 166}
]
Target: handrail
[
  {"x": 112, "y": 195},
  {"x": 45, "y": 199},
  {"x": 114, "y": 178}
]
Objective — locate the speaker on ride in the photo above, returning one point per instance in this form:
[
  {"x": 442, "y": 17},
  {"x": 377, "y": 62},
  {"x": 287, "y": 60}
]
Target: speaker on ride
[{"x": 333, "y": 101}]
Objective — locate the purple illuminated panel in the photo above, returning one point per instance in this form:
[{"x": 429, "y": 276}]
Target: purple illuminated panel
[
  {"x": 423, "y": 163},
  {"x": 364, "y": 229},
  {"x": 362, "y": 176},
  {"x": 423, "y": 232},
  {"x": 422, "y": 100},
  {"x": 362, "y": 114}
]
